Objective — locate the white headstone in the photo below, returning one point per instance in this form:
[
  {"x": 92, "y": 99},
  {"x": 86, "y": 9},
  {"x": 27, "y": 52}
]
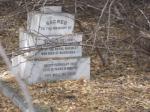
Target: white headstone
[
  {"x": 59, "y": 46},
  {"x": 49, "y": 70},
  {"x": 50, "y": 24},
  {"x": 54, "y": 29},
  {"x": 51, "y": 9}
]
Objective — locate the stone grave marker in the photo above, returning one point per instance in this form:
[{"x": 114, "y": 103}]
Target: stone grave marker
[
  {"x": 34, "y": 71},
  {"x": 50, "y": 23},
  {"x": 62, "y": 60},
  {"x": 59, "y": 46},
  {"x": 47, "y": 9}
]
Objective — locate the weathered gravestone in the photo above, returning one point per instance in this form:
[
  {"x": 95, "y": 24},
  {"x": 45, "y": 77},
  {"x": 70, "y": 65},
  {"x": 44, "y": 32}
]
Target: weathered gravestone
[
  {"x": 50, "y": 23},
  {"x": 58, "y": 46},
  {"x": 61, "y": 57},
  {"x": 53, "y": 69},
  {"x": 52, "y": 9}
]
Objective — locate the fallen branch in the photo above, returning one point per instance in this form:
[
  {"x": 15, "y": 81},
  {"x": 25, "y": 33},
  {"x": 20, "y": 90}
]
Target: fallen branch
[{"x": 17, "y": 99}]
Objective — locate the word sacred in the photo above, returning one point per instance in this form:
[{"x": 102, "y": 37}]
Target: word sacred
[{"x": 50, "y": 22}]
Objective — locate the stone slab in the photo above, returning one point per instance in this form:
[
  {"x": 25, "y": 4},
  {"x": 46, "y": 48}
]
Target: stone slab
[
  {"x": 50, "y": 70},
  {"x": 51, "y": 9},
  {"x": 58, "y": 46},
  {"x": 51, "y": 23}
]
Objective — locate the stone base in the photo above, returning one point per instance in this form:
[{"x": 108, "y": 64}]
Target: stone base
[{"x": 34, "y": 71}]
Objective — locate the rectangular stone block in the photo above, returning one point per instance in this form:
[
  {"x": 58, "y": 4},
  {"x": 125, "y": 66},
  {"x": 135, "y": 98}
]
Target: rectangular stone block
[
  {"x": 50, "y": 23},
  {"x": 58, "y": 46},
  {"x": 49, "y": 70},
  {"x": 51, "y": 9}
]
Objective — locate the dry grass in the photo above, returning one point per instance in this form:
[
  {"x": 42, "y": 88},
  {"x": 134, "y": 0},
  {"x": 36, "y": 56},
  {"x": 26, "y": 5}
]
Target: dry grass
[
  {"x": 128, "y": 93},
  {"x": 6, "y": 105}
]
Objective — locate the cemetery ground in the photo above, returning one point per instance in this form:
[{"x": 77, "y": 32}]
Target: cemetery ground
[{"x": 122, "y": 88}]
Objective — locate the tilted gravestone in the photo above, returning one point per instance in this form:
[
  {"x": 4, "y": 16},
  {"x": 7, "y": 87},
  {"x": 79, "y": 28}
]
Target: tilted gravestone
[{"x": 60, "y": 56}]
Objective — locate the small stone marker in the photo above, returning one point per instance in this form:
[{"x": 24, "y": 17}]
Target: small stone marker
[
  {"x": 50, "y": 24},
  {"x": 51, "y": 9},
  {"x": 60, "y": 55}
]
